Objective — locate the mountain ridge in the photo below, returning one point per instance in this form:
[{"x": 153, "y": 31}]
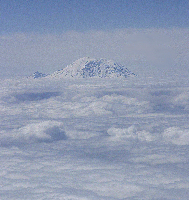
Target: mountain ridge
[{"x": 89, "y": 67}]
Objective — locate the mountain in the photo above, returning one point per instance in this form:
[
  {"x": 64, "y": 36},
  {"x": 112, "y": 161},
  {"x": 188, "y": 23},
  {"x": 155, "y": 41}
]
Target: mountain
[
  {"x": 88, "y": 67},
  {"x": 38, "y": 75}
]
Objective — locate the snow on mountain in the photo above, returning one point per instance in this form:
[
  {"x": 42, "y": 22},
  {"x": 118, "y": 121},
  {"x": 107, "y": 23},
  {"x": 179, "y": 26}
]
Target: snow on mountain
[
  {"x": 88, "y": 67},
  {"x": 38, "y": 75}
]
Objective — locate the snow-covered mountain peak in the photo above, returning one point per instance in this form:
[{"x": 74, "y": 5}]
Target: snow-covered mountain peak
[
  {"x": 89, "y": 67},
  {"x": 80, "y": 63}
]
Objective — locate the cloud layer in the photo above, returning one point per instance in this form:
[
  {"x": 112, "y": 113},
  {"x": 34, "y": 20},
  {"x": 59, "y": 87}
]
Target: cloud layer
[{"x": 94, "y": 139}]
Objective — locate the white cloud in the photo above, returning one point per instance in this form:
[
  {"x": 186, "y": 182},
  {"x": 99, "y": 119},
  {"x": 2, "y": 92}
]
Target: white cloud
[
  {"x": 46, "y": 131},
  {"x": 130, "y": 133},
  {"x": 182, "y": 100},
  {"x": 176, "y": 135},
  {"x": 92, "y": 139}
]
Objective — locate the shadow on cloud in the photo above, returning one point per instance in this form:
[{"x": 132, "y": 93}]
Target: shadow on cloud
[
  {"x": 35, "y": 96},
  {"x": 167, "y": 101},
  {"x": 29, "y": 96}
]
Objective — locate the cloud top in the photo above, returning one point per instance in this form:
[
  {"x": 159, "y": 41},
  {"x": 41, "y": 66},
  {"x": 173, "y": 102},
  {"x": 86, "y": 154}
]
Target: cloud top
[{"x": 45, "y": 131}]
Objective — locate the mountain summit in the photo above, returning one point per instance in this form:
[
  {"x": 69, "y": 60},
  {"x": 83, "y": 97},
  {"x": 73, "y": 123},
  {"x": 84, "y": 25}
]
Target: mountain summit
[{"x": 88, "y": 67}]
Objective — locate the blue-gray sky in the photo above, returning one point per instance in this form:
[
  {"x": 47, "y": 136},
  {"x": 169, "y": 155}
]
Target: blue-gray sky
[
  {"x": 47, "y": 35},
  {"x": 80, "y": 15}
]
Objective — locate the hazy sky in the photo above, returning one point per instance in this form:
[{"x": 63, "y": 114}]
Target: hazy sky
[
  {"x": 80, "y": 15},
  {"x": 49, "y": 34}
]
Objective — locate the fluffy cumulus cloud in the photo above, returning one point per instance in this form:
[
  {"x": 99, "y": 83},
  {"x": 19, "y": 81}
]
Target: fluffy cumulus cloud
[
  {"x": 46, "y": 131},
  {"x": 130, "y": 133},
  {"x": 182, "y": 100},
  {"x": 176, "y": 135},
  {"x": 172, "y": 135}
]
